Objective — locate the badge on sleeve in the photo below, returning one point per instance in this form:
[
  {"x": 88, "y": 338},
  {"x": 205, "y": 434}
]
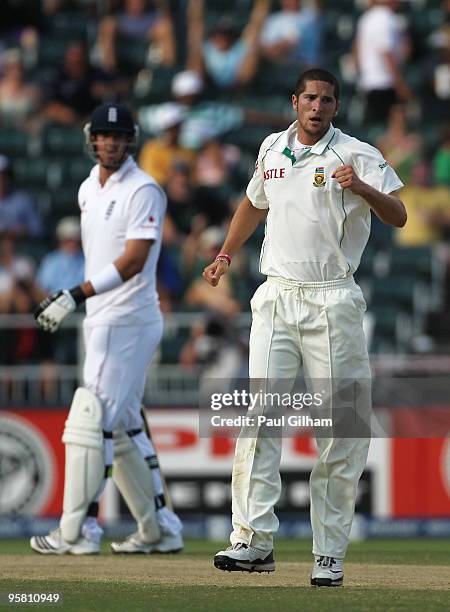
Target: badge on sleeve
[{"x": 319, "y": 177}]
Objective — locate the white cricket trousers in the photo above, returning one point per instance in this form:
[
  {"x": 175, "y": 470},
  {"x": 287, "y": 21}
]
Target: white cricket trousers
[
  {"x": 114, "y": 369},
  {"x": 317, "y": 326}
]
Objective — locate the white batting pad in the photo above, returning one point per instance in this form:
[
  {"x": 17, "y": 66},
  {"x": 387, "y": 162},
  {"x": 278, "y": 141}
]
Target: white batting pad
[
  {"x": 134, "y": 480},
  {"x": 85, "y": 464}
]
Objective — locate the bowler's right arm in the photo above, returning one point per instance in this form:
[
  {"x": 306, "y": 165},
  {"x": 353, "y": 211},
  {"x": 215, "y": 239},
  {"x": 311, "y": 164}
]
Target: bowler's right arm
[{"x": 244, "y": 222}]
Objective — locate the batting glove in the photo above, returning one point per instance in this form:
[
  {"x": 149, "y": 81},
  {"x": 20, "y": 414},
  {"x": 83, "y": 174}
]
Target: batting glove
[{"x": 52, "y": 311}]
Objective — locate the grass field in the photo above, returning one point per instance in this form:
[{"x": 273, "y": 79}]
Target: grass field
[{"x": 379, "y": 575}]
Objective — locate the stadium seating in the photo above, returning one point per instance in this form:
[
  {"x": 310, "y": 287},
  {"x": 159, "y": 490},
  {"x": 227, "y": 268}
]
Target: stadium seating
[
  {"x": 51, "y": 52},
  {"x": 52, "y": 164},
  {"x": 413, "y": 262},
  {"x": 13, "y": 142},
  {"x": 32, "y": 173},
  {"x": 64, "y": 141},
  {"x": 392, "y": 329}
]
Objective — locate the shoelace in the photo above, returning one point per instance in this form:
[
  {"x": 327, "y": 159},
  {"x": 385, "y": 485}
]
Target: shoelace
[
  {"x": 326, "y": 561},
  {"x": 237, "y": 546}
]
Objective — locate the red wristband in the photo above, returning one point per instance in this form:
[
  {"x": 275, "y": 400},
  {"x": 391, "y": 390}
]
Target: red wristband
[{"x": 223, "y": 256}]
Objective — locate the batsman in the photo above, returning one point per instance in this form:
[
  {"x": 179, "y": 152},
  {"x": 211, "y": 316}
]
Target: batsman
[{"x": 122, "y": 211}]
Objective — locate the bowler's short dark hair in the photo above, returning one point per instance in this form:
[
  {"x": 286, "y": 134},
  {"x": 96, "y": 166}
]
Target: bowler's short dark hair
[{"x": 317, "y": 74}]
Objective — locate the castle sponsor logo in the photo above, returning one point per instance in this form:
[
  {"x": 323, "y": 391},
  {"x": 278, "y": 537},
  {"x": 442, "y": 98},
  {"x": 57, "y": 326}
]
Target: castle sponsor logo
[{"x": 275, "y": 173}]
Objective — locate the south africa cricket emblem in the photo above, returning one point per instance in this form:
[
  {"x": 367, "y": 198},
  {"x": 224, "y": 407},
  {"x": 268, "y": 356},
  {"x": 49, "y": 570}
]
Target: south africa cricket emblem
[{"x": 319, "y": 177}]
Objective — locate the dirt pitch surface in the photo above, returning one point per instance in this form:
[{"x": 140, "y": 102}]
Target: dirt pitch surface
[{"x": 190, "y": 571}]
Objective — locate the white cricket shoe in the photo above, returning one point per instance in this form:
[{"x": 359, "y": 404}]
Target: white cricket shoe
[
  {"x": 327, "y": 571},
  {"x": 135, "y": 545},
  {"x": 53, "y": 544},
  {"x": 243, "y": 558}
]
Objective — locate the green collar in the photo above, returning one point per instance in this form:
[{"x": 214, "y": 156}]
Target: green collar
[{"x": 289, "y": 154}]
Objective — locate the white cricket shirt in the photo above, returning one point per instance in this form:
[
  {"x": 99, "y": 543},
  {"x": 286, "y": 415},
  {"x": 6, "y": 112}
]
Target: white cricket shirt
[
  {"x": 379, "y": 30},
  {"x": 315, "y": 230},
  {"x": 130, "y": 206}
]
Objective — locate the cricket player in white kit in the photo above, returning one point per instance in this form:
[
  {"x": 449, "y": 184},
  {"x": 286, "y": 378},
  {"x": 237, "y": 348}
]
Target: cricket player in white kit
[
  {"x": 122, "y": 211},
  {"x": 315, "y": 187}
]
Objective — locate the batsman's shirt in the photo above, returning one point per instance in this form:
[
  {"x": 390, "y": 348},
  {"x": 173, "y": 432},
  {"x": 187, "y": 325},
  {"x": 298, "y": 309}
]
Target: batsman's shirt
[
  {"x": 130, "y": 206},
  {"x": 315, "y": 230}
]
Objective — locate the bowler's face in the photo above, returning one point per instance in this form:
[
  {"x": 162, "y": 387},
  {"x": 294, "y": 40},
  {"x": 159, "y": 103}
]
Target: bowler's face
[{"x": 315, "y": 107}]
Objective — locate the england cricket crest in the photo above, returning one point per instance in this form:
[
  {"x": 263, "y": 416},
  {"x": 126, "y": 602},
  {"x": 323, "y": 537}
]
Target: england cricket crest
[{"x": 319, "y": 177}]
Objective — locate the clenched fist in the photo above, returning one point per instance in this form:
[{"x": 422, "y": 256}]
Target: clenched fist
[
  {"x": 348, "y": 179},
  {"x": 214, "y": 271}
]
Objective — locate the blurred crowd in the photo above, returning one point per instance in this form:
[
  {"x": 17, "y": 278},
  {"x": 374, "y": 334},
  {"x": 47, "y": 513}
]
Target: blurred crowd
[{"x": 207, "y": 81}]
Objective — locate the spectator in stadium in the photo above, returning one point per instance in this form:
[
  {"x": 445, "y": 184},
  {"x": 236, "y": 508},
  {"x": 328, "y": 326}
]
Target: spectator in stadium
[
  {"x": 197, "y": 250},
  {"x": 214, "y": 163},
  {"x": 19, "y": 100},
  {"x": 19, "y": 294},
  {"x": 18, "y": 214},
  {"x": 440, "y": 37},
  {"x": 17, "y": 17},
  {"x": 159, "y": 155},
  {"x": 181, "y": 209},
  {"x": 293, "y": 35},
  {"x": 65, "y": 265},
  {"x": 428, "y": 207},
  {"x": 435, "y": 68},
  {"x": 207, "y": 119},
  {"x": 17, "y": 278},
  {"x": 441, "y": 161},
  {"x": 217, "y": 177},
  {"x": 381, "y": 47},
  {"x": 214, "y": 347},
  {"x": 223, "y": 56},
  {"x": 400, "y": 147},
  {"x": 191, "y": 246},
  {"x": 190, "y": 209},
  {"x": 181, "y": 203},
  {"x": 138, "y": 20},
  {"x": 77, "y": 87}
]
